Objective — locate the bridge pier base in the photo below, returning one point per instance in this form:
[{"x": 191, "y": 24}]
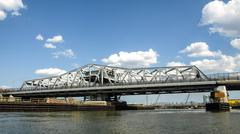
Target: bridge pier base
[
  {"x": 218, "y": 100},
  {"x": 112, "y": 99}
]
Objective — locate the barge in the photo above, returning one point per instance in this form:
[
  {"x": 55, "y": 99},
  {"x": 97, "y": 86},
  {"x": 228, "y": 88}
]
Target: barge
[{"x": 16, "y": 104}]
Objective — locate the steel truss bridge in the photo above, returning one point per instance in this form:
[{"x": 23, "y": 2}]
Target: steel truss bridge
[{"x": 93, "y": 80}]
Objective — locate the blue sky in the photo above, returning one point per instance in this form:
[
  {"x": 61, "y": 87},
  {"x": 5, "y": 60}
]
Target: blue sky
[{"x": 79, "y": 32}]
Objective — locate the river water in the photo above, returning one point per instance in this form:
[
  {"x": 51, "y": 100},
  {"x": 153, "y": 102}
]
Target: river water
[{"x": 121, "y": 122}]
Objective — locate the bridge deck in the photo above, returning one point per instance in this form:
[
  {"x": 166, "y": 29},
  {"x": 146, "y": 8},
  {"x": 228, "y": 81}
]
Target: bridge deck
[{"x": 161, "y": 88}]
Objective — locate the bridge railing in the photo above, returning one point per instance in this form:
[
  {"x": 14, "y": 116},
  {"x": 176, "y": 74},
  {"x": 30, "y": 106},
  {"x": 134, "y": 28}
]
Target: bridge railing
[{"x": 224, "y": 76}]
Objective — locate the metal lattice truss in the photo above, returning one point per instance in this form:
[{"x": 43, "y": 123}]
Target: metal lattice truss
[{"x": 99, "y": 75}]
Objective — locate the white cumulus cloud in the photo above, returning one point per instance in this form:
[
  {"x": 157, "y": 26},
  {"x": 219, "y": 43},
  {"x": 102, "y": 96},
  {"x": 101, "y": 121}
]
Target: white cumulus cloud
[
  {"x": 94, "y": 60},
  {"x": 12, "y": 6},
  {"x": 132, "y": 59},
  {"x": 173, "y": 63},
  {"x": 55, "y": 39},
  {"x": 50, "y": 71},
  {"x": 16, "y": 13},
  {"x": 224, "y": 63},
  {"x": 200, "y": 49},
  {"x": 3, "y": 15},
  {"x": 236, "y": 43},
  {"x": 49, "y": 45},
  {"x": 39, "y": 37},
  {"x": 222, "y": 17},
  {"x": 66, "y": 53}
]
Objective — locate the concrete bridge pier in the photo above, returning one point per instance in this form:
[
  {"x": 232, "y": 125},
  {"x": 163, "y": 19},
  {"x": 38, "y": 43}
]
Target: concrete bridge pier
[
  {"x": 110, "y": 99},
  {"x": 218, "y": 100}
]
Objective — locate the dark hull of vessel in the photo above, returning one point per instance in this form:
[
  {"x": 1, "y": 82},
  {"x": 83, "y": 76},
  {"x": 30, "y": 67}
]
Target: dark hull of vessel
[
  {"x": 42, "y": 107},
  {"x": 217, "y": 107},
  {"x": 18, "y": 107},
  {"x": 235, "y": 107}
]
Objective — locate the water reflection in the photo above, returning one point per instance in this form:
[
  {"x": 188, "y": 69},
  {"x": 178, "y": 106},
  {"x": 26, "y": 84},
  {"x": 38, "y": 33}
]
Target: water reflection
[{"x": 121, "y": 122}]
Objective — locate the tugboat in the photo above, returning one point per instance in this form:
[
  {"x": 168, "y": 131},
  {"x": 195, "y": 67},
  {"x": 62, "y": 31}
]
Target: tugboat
[
  {"x": 218, "y": 100},
  {"x": 234, "y": 103}
]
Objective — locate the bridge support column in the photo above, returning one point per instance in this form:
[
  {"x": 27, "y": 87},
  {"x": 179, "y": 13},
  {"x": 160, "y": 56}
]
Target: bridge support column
[
  {"x": 218, "y": 100},
  {"x": 110, "y": 99}
]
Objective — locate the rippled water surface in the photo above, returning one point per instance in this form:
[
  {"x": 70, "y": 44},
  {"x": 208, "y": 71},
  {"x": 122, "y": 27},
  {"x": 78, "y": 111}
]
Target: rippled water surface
[{"x": 121, "y": 122}]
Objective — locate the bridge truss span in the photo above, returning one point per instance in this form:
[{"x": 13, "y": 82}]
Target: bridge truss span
[{"x": 93, "y": 75}]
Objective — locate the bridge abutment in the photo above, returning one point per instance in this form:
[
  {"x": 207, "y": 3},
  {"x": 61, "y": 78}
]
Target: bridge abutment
[{"x": 218, "y": 100}]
